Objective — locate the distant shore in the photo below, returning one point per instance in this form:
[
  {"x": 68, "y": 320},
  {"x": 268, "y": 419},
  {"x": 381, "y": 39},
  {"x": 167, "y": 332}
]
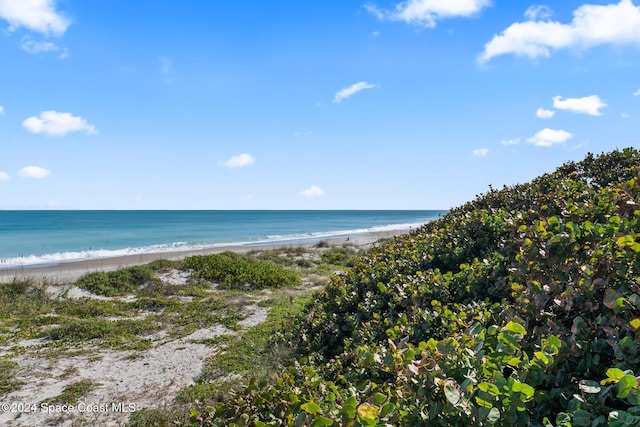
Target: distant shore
[{"x": 72, "y": 270}]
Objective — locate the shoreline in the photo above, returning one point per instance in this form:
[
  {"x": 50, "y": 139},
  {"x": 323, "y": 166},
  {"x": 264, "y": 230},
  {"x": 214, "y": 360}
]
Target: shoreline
[{"x": 70, "y": 271}]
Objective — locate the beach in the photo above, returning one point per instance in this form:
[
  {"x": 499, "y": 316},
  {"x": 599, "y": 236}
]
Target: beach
[
  {"x": 72, "y": 270},
  {"x": 124, "y": 378}
]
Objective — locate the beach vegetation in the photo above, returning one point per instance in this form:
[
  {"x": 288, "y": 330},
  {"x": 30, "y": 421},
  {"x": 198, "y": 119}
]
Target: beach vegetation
[
  {"x": 256, "y": 352},
  {"x": 119, "y": 282},
  {"x": 8, "y": 373},
  {"x": 521, "y": 307},
  {"x": 214, "y": 293},
  {"x": 21, "y": 297},
  {"x": 119, "y": 334},
  {"x": 72, "y": 393},
  {"x": 235, "y": 271}
]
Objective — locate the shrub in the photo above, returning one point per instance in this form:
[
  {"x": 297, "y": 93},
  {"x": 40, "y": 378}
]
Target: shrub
[
  {"x": 521, "y": 307},
  {"x": 119, "y": 282},
  {"x": 235, "y": 271}
]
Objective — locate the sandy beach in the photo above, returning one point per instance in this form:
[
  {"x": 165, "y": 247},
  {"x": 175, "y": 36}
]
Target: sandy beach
[
  {"x": 128, "y": 378},
  {"x": 71, "y": 271}
]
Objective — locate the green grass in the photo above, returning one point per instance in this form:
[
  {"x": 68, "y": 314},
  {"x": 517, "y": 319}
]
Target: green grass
[
  {"x": 72, "y": 393},
  {"x": 255, "y": 353},
  {"x": 119, "y": 334},
  {"x": 8, "y": 372}
]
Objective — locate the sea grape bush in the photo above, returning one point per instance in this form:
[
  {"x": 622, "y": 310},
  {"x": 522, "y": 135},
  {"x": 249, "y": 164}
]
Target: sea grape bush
[{"x": 521, "y": 307}]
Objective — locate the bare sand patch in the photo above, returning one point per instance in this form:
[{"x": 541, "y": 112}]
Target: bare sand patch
[{"x": 128, "y": 381}]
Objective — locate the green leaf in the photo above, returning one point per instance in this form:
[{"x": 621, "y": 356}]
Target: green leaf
[
  {"x": 311, "y": 408},
  {"x": 542, "y": 357},
  {"x": 378, "y": 398},
  {"x": 523, "y": 388},
  {"x": 622, "y": 419},
  {"x": 625, "y": 241},
  {"x": 554, "y": 341},
  {"x": 581, "y": 418},
  {"x": 387, "y": 409},
  {"x": 626, "y": 385},
  {"x": 516, "y": 328},
  {"x": 368, "y": 411},
  {"x": 322, "y": 422},
  {"x": 635, "y": 324},
  {"x": 615, "y": 373},
  {"x": 483, "y": 403},
  {"x": 489, "y": 388}
]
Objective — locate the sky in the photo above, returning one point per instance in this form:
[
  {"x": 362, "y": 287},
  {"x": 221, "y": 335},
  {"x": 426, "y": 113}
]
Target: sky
[{"x": 315, "y": 104}]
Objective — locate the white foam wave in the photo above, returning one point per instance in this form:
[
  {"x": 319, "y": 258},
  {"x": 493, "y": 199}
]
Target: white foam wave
[{"x": 63, "y": 257}]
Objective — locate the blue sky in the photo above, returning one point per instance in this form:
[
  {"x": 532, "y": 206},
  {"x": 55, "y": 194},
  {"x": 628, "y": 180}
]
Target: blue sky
[{"x": 315, "y": 104}]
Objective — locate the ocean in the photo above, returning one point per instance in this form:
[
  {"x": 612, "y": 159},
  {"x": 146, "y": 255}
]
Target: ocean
[{"x": 38, "y": 238}]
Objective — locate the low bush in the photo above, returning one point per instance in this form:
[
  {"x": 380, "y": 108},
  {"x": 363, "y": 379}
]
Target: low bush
[
  {"x": 235, "y": 271},
  {"x": 118, "y": 282}
]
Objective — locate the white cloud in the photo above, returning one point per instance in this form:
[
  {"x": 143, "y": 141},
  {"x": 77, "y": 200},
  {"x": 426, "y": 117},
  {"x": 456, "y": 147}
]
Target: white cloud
[
  {"x": 425, "y": 13},
  {"x": 4, "y": 176},
  {"x": 538, "y": 11},
  {"x": 239, "y": 161},
  {"x": 590, "y": 105},
  {"x": 548, "y": 137},
  {"x": 544, "y": 114},
  {"x": 352, "y": 90},
  {"x": 480, "y": 152},
  {"x": 624, "y": 115},
  {"x": 512, "y": 141},
  {"x": 33, "y": 172},
  {"x": 34, "y": 47},
  {"x": 637, "y": 93},
  {"x": 313, "y": 191},
  {"x": 592, "y": 25},
  {"x": 35, "y": 15},
  {"x": 305, "y": 133},
  {"x": 57, "y": 124},
  {"x": 1, "y": 110}
]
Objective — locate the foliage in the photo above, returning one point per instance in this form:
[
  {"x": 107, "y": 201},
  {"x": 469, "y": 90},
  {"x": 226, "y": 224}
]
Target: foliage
[
  {"x": 521, "y": 307},
  {"x": 72, "y": 393},
  {"x": 342, "y": 256},
  {"x": 8, "y": 371},
  {"x": 21, "y": 297},
  {"x": 119, "y": 333},
  {"x": 235, "y": 271},
  {"x": 118, "y": 282}
]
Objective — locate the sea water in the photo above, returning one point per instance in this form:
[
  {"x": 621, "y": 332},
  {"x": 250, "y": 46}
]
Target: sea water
[{"x": 30, "y": 238}]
